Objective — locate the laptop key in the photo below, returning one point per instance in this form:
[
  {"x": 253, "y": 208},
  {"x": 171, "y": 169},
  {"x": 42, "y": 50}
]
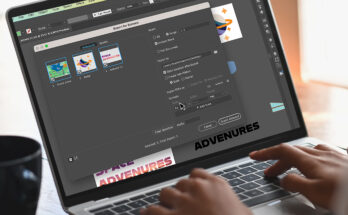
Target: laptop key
[
  {"x": 100, "y": 208},
  {"x": 269, "y": 188},
  {"x": 260, "y": 173},
  {"x": 152, "y": 193},
  {"x": 137, "y": 197},
  {"x": 238, "y": 190},
  {"x": 231, "y": 175},
  {"x": 138, "y": 204},
  {"x": 249, "y": 186},
  {"x": 245, "y": 165},
  {"x": 265, "y": 198},
  {"x": 218, "y": 173},
  {"x": 263, "y": 181},
  {"x": 135, "y": 212},
  {"x": 231, "y": 169},
  {"x": 250, "y": 177},
  {"x": 253, "y": 193},
  {"x": 122, "y": 208},
  {"x": 236, "y": 182},
  {"x": 121, "y": 202},
  {"x": 242, "y": 197},
  {"x": 261, "y": 166},
  {"x": 107, "y": 212},
  {"x": 152, "y": 199},
  {"x": 247, "y": 170}
]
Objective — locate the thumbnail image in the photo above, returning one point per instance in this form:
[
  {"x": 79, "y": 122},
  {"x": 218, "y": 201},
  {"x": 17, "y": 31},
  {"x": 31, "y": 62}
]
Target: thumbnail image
[
  {"x": 226, "y": 23},
  {"x": 110, "y": 55},
  {"x": 84, "y": 63},
  {"x": 58, "y": 70}
]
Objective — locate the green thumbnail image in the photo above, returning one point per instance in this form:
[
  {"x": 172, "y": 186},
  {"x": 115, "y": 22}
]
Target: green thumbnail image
[{"x": 58, "y": 70}]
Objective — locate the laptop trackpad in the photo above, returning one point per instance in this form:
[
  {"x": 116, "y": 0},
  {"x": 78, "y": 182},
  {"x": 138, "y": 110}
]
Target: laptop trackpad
[{"x": 293, "y": 205}]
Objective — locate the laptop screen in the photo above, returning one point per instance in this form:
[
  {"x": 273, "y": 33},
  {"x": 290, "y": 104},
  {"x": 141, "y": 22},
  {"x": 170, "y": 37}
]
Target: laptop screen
[{"x": 130, "y": 87}]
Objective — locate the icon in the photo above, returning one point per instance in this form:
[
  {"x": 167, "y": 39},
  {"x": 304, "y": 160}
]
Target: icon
[
  {"x": 232, "y": 66},
  {"x": 58, "y": 70},
  {"x": 277, "y": 106},
  {"x": 226, "y": 23},
  {"x": 182, "y": 107},
  {"x": 28, "y": 31},
  {"x": 84, "y": 63},
  {"x": 19, "y": 33},
  {"x": 110, "y": 55}
]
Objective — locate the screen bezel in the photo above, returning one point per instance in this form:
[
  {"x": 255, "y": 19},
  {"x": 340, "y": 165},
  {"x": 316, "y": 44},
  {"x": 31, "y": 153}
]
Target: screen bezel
[{"x": 160, "y": 175}]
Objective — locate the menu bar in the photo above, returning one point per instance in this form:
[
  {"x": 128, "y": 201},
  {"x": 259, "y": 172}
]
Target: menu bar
[{"x": 55, "y": 10}]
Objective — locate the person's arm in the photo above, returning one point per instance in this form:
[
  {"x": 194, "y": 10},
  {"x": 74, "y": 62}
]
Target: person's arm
[{"x": 341, "y": 197}]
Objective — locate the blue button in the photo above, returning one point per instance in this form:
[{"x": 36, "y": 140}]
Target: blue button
[{"x": 232, "y": 66}]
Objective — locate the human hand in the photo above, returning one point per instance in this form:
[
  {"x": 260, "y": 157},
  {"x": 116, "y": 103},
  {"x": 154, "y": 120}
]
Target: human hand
[
  {"x": 201, "y": 194},
  {"x": 323, "y": 168}
]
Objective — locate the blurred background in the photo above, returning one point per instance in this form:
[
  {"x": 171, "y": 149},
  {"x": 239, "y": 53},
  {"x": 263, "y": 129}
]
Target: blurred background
[{"x": 314, "y": 36}]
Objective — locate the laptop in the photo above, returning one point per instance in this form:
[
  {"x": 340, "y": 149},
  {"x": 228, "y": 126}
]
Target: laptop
[{"x": 131, "y": 95}]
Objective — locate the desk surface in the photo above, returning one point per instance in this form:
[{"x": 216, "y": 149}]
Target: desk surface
[{"x": 325, "y": 110}]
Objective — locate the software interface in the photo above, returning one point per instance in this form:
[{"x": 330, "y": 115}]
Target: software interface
[{"x": 130, "y": 87}]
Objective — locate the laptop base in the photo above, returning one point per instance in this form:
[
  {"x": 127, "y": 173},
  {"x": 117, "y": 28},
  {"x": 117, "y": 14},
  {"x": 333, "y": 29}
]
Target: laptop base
[{"x": 285, "y": 204}]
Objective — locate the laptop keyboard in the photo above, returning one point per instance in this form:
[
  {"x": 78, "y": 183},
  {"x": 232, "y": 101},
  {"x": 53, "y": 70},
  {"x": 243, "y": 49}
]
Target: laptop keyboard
[{"x": 247, "y": 180}]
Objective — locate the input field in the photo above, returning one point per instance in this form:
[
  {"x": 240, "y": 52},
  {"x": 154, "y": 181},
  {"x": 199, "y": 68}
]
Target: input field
[{"x": 120, "y": 27}]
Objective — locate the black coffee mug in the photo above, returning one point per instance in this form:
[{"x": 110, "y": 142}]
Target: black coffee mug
[{"x": 20, "y": 175}]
